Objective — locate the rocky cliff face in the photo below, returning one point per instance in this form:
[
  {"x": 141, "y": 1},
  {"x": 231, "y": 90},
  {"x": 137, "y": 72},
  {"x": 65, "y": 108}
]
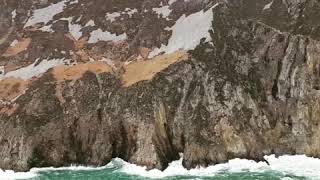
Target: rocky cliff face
[{"x": 98, "y": 80}]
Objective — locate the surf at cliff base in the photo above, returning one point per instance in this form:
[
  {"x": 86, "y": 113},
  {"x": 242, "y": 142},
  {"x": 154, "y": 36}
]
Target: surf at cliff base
[{"x": 283, "y": 167}]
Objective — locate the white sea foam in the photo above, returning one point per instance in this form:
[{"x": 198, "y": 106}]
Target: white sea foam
[
  {"x": 34, "y": 172},
  {"x": 176, "y": 169},
  {"x": 11, "y": 175},
  {"x": 298, "y": 165}
]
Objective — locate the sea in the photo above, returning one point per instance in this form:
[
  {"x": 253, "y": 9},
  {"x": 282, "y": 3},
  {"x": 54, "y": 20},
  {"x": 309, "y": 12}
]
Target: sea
[{"x": 274, "y": 168}]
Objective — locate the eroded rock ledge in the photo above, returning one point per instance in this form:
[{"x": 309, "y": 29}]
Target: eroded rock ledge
[{"x": 254, "y": 90}]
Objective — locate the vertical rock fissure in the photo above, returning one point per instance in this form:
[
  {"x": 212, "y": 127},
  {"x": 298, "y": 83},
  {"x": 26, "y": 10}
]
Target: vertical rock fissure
[
  {"x": 275, "y": 87},
  {"x": 162, "y": 138},
  {"x": 101, "y": 92}
]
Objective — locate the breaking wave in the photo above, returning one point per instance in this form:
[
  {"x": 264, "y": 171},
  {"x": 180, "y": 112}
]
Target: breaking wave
[
  {"x": 299, "y": 165},
  {"x": 11, "y": 175}
]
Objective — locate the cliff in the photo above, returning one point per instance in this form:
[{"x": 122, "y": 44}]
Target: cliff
[{"x": 250, "y": 87}]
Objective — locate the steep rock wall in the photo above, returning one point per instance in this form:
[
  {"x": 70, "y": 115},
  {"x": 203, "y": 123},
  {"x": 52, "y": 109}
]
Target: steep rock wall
[{"x": 250, "y": 91}]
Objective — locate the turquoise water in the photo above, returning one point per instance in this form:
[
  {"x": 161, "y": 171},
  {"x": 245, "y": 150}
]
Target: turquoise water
[
  {"x": 281, "y": 168},
  {"x": 109, "y": 174}
]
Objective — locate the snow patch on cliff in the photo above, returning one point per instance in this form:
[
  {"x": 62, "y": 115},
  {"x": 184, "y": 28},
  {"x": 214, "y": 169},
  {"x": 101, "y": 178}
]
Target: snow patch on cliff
[
  {"x": 163, "y": 11},
  {"x": 130, "y": 11},
  {"x": 35, "y": 69},
  {"x": 268, "y": 6},
  {"x": 187, "y": 32},
  {"x": 14, "y": 43},
  {"x": 171, "y": 1},
  {"x": 99, "y": 35},
  {"x": 44, "y": 15},
  {"x": 14, "y": 15},
  {"x": 74, "y": 29},
  {"x": 90, "y": 23},
  {"x": 112, "y": 16}
]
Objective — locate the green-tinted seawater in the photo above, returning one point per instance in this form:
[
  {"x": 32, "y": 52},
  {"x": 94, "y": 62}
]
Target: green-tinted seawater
[
  {"x": 110, "y": 174},
  {"x": 275, "y": 168}
]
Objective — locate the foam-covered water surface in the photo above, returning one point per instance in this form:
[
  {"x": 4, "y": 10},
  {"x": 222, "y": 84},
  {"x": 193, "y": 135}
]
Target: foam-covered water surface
[{"x": 283, "y": 167}]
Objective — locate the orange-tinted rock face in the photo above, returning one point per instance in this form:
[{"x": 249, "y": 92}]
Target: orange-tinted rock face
[
  {"x": 69, "y": 27},
  {"x": 17, "y": 48},
  {"x": 12, "y": 88},
  {"x": 66, "y": 73},
  {"x": 146, "y": 70}
]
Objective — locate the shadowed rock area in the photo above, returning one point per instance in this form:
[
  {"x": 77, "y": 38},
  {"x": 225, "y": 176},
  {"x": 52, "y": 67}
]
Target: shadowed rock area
[{"x": 252, "y": 90}]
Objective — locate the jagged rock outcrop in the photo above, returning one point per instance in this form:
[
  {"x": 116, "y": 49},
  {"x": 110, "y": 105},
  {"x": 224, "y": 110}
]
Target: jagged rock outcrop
[{"x": 252, "y": 90}]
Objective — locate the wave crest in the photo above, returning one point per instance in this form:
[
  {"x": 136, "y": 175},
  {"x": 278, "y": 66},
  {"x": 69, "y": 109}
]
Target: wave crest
[{"x": 298, "y": 165}]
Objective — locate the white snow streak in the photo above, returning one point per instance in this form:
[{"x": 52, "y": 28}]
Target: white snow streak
[
  {"x": 187, "y": 32},
  {"x": 112, "y": 16},
  {"x": 268, "y": 6},
  {"x": 45, "y": 14},
  {"x": 14, "y": 15},
  {"x": 99, "y": 35},
  {"x": 164, "y": 11},
  {"x": 14, "y": 43},
  {"x": 34, "y": 70},
  {"x": 90, "y": 23},
  {"x": 172, "y": 1},
  {"x": 74, "y": 29},
  {"x": 130, "y": 12}
]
